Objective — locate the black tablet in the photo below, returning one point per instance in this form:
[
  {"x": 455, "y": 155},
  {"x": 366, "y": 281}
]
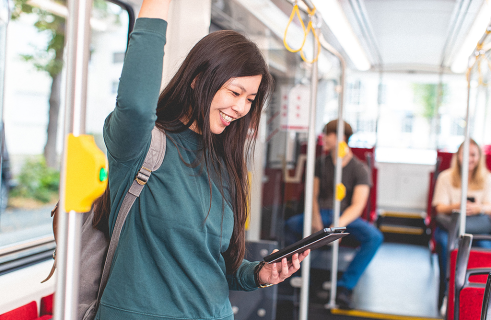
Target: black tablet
[{"x": 314, "y": 241}]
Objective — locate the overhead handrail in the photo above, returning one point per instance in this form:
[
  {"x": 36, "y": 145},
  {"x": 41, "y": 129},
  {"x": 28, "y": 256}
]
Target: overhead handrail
[{"x": 311, "y": 10}]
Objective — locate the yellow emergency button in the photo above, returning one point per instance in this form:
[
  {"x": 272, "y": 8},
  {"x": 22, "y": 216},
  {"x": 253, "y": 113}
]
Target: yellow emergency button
[
  {"x": 86, "y": 173},
  {"x": 340, "y": 192},
  {"x": 343, "y": 149}
]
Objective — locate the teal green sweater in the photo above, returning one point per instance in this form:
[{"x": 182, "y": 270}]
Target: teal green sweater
[{"x": 168, "y": 264}]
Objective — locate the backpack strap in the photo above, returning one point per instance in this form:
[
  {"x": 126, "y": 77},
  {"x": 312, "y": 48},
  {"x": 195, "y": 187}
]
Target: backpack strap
[{"x": 152, "y": 162}]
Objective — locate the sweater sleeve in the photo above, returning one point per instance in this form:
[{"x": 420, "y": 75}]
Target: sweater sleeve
[
  {"x": 127, "y": 130},
  {"x": 243, "y": 279},
  {"x": 442, "y": 190}
]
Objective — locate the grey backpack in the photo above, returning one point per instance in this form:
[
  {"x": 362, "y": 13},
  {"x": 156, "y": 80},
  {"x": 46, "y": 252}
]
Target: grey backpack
[{"x": 94, "y": 270}]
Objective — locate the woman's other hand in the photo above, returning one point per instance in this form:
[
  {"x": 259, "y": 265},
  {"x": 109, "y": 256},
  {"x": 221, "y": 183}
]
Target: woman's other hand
[
  {"x": 472, "y": 208},
  {"x": 275, "y": 273}
]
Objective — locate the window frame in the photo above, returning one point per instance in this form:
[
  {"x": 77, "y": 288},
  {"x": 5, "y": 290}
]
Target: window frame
[{"x": 27, "y": 253}]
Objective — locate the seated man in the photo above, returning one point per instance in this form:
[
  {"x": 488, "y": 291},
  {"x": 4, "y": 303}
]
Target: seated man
[{"x": 357, "y": 180}]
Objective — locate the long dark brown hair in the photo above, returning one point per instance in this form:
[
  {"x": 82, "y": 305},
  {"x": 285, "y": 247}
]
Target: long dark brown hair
[{"x": 214, "y": 60}]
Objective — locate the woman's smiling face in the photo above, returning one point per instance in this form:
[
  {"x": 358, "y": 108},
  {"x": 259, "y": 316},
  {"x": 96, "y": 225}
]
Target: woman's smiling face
[
  {"x": 233, "y": 101},
  {"x": 474, "y": 156}
]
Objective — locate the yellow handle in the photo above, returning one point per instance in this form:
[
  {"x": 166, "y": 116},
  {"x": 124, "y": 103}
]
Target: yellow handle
[
  {"x": 340, "y": 192},
  {"x": 86, "y": 173},
  {"x": 292, "y": 16},
  {"x": 316, "y": 38}
]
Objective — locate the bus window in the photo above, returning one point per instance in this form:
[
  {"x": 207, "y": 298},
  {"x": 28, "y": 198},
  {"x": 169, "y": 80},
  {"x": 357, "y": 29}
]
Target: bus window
[
  {"x": 399, "y": 114},
  {"x": 34, "y": 107}
]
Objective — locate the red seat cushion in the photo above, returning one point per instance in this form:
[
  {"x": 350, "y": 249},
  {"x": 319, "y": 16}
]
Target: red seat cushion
[
  {"x": 45, "y": 317},
  {"x": 26, "y": 312},
  {"x": 47, "y": 305},
  {"x": 478, "y": 258},
  {"x": 470, "y": 303}
]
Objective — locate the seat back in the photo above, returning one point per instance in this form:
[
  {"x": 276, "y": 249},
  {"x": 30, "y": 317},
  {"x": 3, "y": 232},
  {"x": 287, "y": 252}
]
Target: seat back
[
  {"x": 451, "y": 285},
  {"x": 26, "y": 312},
  {"x": 367, "y": 155},
  {"x": 485, "y": 300},
  {"x": 47, "y": 305},
  {"x": 453, "y": 235},
  {"x": 466, "y": 281},
  {"x": 462, "y": 260},
  {"x": 445, "y": 159},
  {"x": 471, "y": 301},
  {"x": 430, "y": 210}
]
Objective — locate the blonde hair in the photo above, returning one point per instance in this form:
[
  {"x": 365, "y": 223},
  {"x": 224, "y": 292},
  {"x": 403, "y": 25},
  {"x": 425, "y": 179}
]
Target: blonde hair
[{"x": 477, "y": 178}]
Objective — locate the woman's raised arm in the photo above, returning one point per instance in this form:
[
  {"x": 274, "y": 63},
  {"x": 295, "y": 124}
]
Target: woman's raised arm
[
  {"x": 127, "y": 130},
  {"x": 154, "y": 9}
]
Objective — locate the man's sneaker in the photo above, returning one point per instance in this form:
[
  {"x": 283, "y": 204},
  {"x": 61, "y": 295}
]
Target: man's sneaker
[{"x": 343, "y": 298}]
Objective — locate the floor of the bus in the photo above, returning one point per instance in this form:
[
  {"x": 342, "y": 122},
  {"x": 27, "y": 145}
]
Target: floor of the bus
[
  {"x": 401, "y": 282},
  {"x": 402, "y": 279}
]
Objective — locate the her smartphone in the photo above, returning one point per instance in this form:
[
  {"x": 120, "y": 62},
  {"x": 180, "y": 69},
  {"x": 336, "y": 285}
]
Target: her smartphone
[
  {"x": 471, "y": 199},
  {"x": 311, "y": 242}
]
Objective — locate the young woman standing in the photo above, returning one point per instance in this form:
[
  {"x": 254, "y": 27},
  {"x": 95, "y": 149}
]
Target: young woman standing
[{"x": 182, "y": 246}]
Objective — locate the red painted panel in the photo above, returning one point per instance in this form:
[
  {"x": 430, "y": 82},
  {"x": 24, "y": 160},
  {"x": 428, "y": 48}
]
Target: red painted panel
[{"x": 26, "y": 312}]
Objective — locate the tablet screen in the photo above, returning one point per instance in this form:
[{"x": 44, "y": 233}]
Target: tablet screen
[{"x": 314, "y": 241}]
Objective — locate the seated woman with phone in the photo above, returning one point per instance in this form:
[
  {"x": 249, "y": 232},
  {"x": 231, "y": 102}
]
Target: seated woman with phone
[{"x": 447, "y": 198}]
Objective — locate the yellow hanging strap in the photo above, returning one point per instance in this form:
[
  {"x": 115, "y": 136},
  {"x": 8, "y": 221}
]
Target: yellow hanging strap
[
  {"x": 316, "y": 38},
  {"x": 296, "y": 11},
  {"x": 292, "y": 16}
]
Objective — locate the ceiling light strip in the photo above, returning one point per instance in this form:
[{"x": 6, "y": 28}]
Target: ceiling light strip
[
  {"x": 460, "y": 63},
  {"x": 458, "y": 17},
  {"x": 335, "y": 18},
  {"x": 366, "y": 28}
]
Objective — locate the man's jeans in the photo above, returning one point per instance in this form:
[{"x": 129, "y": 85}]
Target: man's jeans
[{"x": 370, "y": 239}]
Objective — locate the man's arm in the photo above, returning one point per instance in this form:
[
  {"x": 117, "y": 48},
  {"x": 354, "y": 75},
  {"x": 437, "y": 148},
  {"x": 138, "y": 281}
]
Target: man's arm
[
  {"x": 316, "y": 213},
  {"x": 358, "y": 203}
]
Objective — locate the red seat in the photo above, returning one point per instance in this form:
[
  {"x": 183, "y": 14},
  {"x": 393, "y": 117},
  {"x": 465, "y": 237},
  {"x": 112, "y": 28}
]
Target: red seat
[
  {"x": 47, "y": 305},
  {"x": 367, "y": 155},
  {"x": 26, "y": 312},
  {"x": 471, "y": 286},
  {"x": 471, "y": 303}
]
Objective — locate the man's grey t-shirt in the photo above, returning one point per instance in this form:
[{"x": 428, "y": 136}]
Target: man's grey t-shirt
[{"x": 354, "y": 173}]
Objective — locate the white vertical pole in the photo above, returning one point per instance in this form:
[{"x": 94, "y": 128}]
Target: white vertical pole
[
  {"x": 337, "y": 179},
  {"x": 69, "y": 224},
  {"x": 465, "y": 158},
  {"x": 309, "y": 180}
]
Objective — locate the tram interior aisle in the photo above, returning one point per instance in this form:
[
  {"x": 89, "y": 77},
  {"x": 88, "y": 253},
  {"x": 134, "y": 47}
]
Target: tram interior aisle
[
  {"x": 402, "y": 279},
  {"x": 401, "y": 282}
]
